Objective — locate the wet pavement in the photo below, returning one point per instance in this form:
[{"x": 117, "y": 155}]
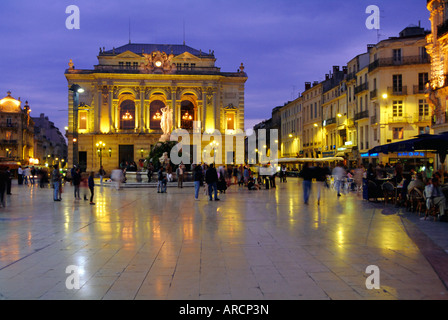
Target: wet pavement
[{"x": 137, "y": 244}]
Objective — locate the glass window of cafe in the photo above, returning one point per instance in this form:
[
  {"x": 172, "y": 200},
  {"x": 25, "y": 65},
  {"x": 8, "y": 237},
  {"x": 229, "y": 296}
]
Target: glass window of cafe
[{"x": 417, "y": 163}]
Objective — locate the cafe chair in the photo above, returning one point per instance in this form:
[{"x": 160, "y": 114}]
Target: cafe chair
[
  {"x": 416, "y": 201},
  {"x": 388, "y": 192}
]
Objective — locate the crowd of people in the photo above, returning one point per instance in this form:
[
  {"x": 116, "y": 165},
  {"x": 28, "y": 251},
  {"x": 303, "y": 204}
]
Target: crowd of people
[{"x": 215, "y": 180}]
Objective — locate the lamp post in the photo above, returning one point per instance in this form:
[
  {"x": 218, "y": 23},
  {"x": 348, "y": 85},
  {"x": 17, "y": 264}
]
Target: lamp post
[
  {"x": 99, "y": 147},
  {"x": 76, "y": 89}
]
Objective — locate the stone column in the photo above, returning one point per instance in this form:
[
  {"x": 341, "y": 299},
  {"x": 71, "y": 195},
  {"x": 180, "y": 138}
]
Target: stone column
[
  {"x": 173, "y": 107},
  {"x": 111, "y": 96},
  {"x": 142, "y": 108}
]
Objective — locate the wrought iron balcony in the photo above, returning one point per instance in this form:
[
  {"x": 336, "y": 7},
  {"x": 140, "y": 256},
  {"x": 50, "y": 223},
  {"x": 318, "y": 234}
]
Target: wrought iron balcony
[
  {"x": 419, "y": 89},
  {"x": 330, "y": 121},
  {"x": 362, "y": 115},
  {"x": 397, "y": 91},
  {"x": 404, "y": 60},
  {"x": 399, "y": 119},
  {"x": 362, "y": 87}
]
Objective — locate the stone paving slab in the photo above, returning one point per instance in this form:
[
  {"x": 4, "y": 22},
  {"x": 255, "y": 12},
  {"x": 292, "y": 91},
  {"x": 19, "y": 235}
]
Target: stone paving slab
[{"x": 259, "y": 245}]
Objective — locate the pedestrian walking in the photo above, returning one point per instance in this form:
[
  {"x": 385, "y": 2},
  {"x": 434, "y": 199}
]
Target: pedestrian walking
[
  {"x": 33, "y": 174},
  {"x": 76, "y": 180},
  {"x": 150, "y": 171},
  {"x": 20, "y": 175},
  {"x": 235, "y": 174},
  {"x": 321, "y": 175},
  {"x": 3, "y": 184},
  {"x": 117, "y": 178},
  {"x": 211, "y": 178},
  {"x": 101, "y": 173},
  {"x": 198, "y": 179},
  {"x": 307, "y": 175},
  {"x": 180, "y": 175},
  {"x": 91, "y": 184},
  {"x": 84, "y": 184},
  {"x": 161, "y": 181},
  {"x": 72, "y": 173},
  {"x": 26, "y": 175},
  {"x": 339, "y": 176},
  {"x": 8, "y": 180},
  {"x": 55, "y": 179}
]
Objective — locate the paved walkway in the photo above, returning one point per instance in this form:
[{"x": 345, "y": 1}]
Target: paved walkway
[{"x": 138, "y": 244}]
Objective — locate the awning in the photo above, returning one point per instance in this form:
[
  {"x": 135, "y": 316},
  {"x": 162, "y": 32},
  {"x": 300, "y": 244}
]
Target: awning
[{"x": 437, "y": 143}]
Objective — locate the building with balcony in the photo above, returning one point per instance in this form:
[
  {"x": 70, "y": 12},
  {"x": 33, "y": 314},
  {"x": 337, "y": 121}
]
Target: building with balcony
[
  {"x": 334, "y": 113},
  {"x": 437, "y": 49},
  {"x": 16, "y": 131},
  {"x": 133, "y": 86},
  {"x": 312, "y": 120},
  {"x": 291, "y": 144},
  {"x": 397, "y": 108}
]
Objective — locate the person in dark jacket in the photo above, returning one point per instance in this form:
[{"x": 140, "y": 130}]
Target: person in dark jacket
[
  {"x": 198, "y": 180},
  {"x": 76, "y": 179},
  {"x": 307, "y": 175},
  {"x": 8, "y": 180},
  {"x": 211, "y": 178},
  {"x": 91, "y": 186},
  {"x": 3, "y": 183},
  {"x": 321, "y": 174}
]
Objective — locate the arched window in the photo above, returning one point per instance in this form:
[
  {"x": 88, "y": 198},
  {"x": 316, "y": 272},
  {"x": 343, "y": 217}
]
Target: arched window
[
  {"x": 155, "y": 114},
  {"x": 127, "y": 115},
  {"x": 187, "y": 115}
]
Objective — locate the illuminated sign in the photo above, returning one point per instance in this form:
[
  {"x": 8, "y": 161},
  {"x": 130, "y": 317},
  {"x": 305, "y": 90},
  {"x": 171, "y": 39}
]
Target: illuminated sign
[
  {"x": 411, "y": 154},
  {"x": 366, "y": 155}
]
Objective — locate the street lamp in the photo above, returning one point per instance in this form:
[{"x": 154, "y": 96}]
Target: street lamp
[
  {"x": 76, "y": 89},
  {"x": 99, "y": 147}
]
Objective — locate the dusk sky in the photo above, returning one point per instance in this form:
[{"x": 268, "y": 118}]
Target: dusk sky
[{"x": 282, "y": 43}]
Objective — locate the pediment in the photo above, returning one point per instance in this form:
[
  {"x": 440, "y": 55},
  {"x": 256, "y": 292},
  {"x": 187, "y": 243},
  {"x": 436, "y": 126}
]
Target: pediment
[
  {"x": 187, "y": 56},
  {"x": 127, "y": 54}
]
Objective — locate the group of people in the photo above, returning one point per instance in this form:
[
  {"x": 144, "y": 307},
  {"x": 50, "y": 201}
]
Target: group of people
[
  {"x": 320, "y": 173},
  {"x": 79, "y": 179}
]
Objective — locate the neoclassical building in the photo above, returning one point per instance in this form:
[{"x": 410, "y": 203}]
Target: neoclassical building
[
  {"x": 133, "y": 86},
  {"x": 16, "y": 131}
]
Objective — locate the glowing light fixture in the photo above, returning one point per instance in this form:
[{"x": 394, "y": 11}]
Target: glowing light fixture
[
  {"x": 157, "y": 116},
  {"x": 187, "y": 116},
  {"x": 127, "y": 116}
]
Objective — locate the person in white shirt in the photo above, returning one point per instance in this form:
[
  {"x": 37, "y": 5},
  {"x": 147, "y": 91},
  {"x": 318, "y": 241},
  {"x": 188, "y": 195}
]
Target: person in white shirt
[
  {"x": 20, "y": 175},
  {"x": 339, "y": 175}
]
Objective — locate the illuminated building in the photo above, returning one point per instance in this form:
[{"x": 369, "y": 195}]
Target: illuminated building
[
  {"x": 125, "y": 93},
  {"x": 334, "y": 114},
  {"x": 16, "y": 131},
  {"x": 397, "y": 77},
  {"x": 291, "y": 129},
  {"x": 50, "y": 146},
  {"x": 436, "y": 47},
  {"x": 312, "y": 120}
]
